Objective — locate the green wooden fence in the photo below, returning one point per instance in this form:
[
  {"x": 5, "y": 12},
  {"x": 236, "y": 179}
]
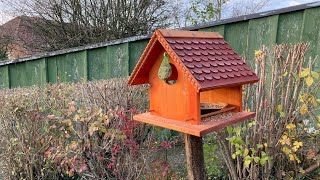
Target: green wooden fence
[{"x": 118, "y": 58}]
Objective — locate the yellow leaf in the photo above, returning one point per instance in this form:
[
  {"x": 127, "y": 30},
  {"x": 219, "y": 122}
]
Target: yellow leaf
[
  {"x": 247, "y": 162},
  {"x": 265, "y": 145},
  {"x": 285, "y": 140},
  {"x": 301, "y": 171},
  {"x": 279, "y": 108},
  {"x": 286, "y": 150},
  {"x": 258, "y": 54},
  {"x": 245, "y": 152},
  {"x": 234, "y": 156},
  {"x": 296, "y": 145},
  {"x": 303, "y": 109},
  {"x": 290, "y": 126},
  {"x": 304, "y": 73},
  {"x": 291, "y": 157},
  {"x": 309, "y": 81},
  {"x": 76, "y": 117},
  {"x": 74, "y": 145}
]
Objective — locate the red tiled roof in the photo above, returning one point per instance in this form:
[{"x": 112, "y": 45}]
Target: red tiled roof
[
  {"x": 212, "y": 62},
  {"x": 207, "y": 59}
]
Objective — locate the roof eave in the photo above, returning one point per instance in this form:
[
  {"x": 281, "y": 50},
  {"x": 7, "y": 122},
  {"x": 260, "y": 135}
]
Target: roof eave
[
  {"x": 229, "y": 85},
  {"x": 134, "y": 75}
]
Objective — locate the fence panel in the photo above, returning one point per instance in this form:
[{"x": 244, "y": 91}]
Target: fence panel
[{"x": 119, "y": 59}]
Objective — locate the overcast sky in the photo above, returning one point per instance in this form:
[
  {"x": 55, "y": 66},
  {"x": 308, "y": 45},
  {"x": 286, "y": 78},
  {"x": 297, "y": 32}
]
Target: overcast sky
[{"x": 273, "y": 4}]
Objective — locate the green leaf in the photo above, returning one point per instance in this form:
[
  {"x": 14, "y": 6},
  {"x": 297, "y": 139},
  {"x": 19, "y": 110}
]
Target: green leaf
[
  {"x": 256, "y": 159},
  {"x": 229, "y": 129},
  {"x": 238, "y": 140},
  {"x": 309, "y": 81},
  {"x": 282, "y": 114},
  {"x": 263, "y": 154},
  {"x": 237, "y": 130},
  {"x": 253, "y": 151},
  {"x": 263, "y": 161},
  {"x": 315, "y": 74},
  {"x": 259, "y": 146}
]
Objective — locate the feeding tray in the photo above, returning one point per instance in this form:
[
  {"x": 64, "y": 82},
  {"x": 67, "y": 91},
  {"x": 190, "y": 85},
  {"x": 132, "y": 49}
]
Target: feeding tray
[
  {"x": 211, "y": 123},
  {"x": 212, "y": 112},
  {"x": 202, "y": 92},
  {"x": 208, "y": 105}
]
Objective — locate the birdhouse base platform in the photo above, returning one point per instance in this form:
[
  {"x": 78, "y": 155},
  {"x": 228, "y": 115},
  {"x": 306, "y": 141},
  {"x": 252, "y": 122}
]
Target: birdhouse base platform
[{"x": 208, "y": 124}]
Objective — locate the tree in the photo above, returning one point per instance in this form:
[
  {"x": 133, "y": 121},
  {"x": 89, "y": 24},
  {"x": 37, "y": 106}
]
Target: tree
[
  {"x": 244, "y": 7},
  {"x": 5, "y": 42},
  {"x": 204, "y": 11},
  {"x": 69, "y": 23}
]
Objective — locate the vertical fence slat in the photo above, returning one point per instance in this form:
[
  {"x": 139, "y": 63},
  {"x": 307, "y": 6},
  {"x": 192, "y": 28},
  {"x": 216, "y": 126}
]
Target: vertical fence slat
[
  {"x": 118, "y": 60},
  {"x": 262, "y": 31},
  {"x": 236, "y": 35},
  {"x": 136, "y": 49},
  {"x": 311, "y": 32},
  {"x": 17, "y": 74},
  {"x": 36, "y": 72},
  {"x": 72, "y": 67},
  {"x": 289, "y": 27},
  {"x": 4, "y": 77},
  {"x": 97, "y": 60},
  {"x": 52, "y": 70}
]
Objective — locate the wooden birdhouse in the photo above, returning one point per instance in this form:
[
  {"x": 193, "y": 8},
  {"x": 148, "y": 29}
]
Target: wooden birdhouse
[{"x": 203, "y": 90}]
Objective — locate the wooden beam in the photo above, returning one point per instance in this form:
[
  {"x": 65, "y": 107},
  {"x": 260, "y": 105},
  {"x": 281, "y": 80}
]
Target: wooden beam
[
  {"x": 195, "y": 159},
  {"x": 188, "y": 34}
]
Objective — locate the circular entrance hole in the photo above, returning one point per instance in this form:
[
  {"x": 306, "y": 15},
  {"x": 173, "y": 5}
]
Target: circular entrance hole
[{"x": 174, "y": 75}]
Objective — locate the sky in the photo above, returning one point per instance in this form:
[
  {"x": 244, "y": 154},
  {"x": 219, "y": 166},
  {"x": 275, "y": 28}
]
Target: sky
[
  {"x": 273, "y": 4},
  {"x": 276, "y": 4}
]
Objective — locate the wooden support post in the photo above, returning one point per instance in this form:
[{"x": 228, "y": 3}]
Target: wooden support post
[{"x": 194, "y": 155}]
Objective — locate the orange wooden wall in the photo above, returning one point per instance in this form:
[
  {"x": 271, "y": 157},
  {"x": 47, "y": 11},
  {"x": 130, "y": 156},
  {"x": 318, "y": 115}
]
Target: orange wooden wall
[
  {"x": 230, "y": 95},
  {"x": 179, "y": 101}
]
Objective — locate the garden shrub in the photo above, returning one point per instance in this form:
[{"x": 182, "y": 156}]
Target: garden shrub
[
  {"x": 282, "y": 142},
  {"x": 84, "y": 130}
]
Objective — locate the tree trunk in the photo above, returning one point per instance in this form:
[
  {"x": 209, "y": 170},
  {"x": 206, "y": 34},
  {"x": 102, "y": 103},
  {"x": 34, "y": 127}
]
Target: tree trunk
[{"x": 194, "y": 155}]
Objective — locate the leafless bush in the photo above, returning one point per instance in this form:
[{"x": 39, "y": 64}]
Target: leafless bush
[
  {"x": 70, "y": 130},
  {"x": 276, "y": 144}
]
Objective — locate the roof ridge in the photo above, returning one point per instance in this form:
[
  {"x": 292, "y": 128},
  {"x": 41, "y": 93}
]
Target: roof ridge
[{"x": 189, "y": 34}]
